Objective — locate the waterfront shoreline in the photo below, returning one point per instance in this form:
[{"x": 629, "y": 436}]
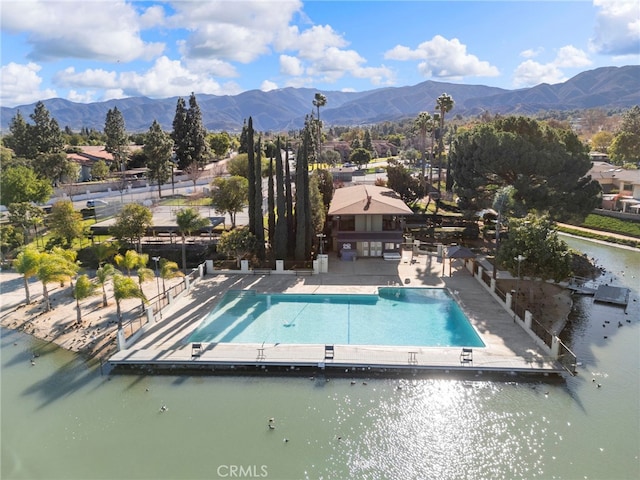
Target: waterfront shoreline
[{"x": 96, "y": 335}]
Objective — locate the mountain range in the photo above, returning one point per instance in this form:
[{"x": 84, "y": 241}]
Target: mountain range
[{"x": 285, "y": 109}]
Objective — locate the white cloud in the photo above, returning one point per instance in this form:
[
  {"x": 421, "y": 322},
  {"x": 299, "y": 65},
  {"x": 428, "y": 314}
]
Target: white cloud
[
  {"x": 322, "y": 56},
  {"x": 443, "y": 58},
  {"x": 20, "y": 84},
  {"x": 82, "y": 97},
  {"x": 291, "y": 66},
  {"x": 530, "y": 73},
  {"x": 108, "y": 31},
  {"x": 617, "y": 30},
  {"x": 233, "y": 31},
  {"x": 166, "y": 78},
  {"x": 570, "y": 56},
  {"x": 268, "y": 85},
  {"x": 531, "y": 52},
  {"x": 95, "y": 78}
]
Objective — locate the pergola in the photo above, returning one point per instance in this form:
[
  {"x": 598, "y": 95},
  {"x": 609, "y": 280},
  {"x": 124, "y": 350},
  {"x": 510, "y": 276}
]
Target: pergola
[{"x": 456, "y": 251}]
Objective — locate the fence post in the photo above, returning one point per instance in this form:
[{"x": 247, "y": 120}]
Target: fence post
[
  {"x": 150, "y": 318},
  {"x": 527, "y": 319},
  {"x": 479, "y": 274},
  {"x": 493, "y": 284},
  {"x": 169, "y": 297},
  {"x": 201, "y": 270},
  {"x": 555, "y": 346},
  {"x": 122, "y": 342},
  {"x": 187, "y": 282},
  {"x": 508, "y": 300}
]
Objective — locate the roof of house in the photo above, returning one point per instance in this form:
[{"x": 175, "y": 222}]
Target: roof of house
[
  {"x": 367, "y": 200},
  {"x": 604, "y": 170}
]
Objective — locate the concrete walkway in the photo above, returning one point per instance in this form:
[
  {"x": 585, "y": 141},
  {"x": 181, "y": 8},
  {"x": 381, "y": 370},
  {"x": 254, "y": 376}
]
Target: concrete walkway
[{"x": 508, "y": 346}]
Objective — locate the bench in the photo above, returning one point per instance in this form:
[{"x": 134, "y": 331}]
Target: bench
[
  {"x": 466, "y": 356},
  {"x": 261, "y": 271},
  {"x": 392, "y": 256},
  {"x": 303, "y": 272}
]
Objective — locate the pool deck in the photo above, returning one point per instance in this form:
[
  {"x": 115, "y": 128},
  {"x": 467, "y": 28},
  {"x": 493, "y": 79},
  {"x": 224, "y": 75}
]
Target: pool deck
[{"x": 508, "y": 347}]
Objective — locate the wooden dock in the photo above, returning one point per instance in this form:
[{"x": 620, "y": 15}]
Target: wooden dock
[{"x": 613, "y": 295}]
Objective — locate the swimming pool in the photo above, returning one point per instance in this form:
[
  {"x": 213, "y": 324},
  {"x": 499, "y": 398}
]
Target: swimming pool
[{"x": 395, "y": 316}]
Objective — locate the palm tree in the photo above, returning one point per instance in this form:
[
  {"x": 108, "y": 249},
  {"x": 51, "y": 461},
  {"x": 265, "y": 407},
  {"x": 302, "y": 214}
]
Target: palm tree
[
  {"x": 103, "y": 274},
  {"x": 188, "y": 220},
  {"x": 70, "y": 256},
  {"x": 104, "y": 251},
  {"x": 26, "y": 263},
  {"x": 168, "y": 270},
  {"x": 128, "y": 261},
  {"x": 144, "y": 273},
  {"x": 319, "y": 100},
  {"x": 53, "y": 268},
  {"x": 424, "y": 123},
  {"x": 123, "y": 288},
  {"x": 444, "y": 104},
  {"x": 84, "y": 288}
]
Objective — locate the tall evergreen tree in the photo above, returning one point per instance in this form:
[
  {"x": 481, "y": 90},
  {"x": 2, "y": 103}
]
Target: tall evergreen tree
[
  {"x": 45, "y": 134},
  {"x": 18, "y": 141},
  {"x": 279, "y": 244},
  {"x": 271, "y": 204},
  {"x": 242, "y": 148},
  {"x": 158, "y": 148},
  {"x": 291, "y": 224},
  {"x": 197, "y": 133},
  {"x": 251, "y": 160},
  {"x": 367, "y": 143},
  {"x": 259, "y": 220},
  {"x": 117, "y": 140},
  {"x": 304, "y": 229},
  {"x": 179, "y": 135}
]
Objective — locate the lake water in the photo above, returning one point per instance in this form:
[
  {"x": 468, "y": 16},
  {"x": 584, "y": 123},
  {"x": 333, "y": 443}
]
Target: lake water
[{"x": 62, "y": 419}]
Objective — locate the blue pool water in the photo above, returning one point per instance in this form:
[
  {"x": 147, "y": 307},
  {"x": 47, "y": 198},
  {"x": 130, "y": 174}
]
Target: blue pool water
[{"x": 427, "y": 317}]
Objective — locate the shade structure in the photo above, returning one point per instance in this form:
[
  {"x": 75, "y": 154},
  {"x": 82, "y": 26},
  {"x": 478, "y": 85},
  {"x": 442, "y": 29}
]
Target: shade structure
[{"x": 457, "y": 251}]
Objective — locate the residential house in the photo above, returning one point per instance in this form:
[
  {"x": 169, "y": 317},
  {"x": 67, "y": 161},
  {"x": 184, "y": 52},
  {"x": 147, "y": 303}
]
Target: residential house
[
  {"x": 620, "y": 187},
  {"x": 367, "y": 221}
]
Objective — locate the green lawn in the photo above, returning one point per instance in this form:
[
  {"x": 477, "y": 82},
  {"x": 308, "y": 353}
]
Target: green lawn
[{"x": 613, "y": 225}]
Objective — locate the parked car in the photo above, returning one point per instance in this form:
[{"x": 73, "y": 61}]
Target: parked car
[{"x": 96, "y": 203}]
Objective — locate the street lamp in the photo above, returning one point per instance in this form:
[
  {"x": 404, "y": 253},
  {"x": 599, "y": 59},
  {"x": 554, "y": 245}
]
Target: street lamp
[
  {"x": 156, "y": 260},
  {"x": 321, "y": 241},
  {"x": 518, "y": 259}
]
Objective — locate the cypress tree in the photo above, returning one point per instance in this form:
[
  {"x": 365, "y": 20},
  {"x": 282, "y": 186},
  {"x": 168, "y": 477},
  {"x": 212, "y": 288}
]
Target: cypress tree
[
  {"x": 271, "y": 204},
  {"x": 280, "y": 238},
  {"x": 291, "y": 224},
  {"x": 197, "y": 133},
  {"x": 179, "y": 133},
  {"x": 304, "y": 229},
  {"x": 116, "y": 141},
  {"x": 251, "y": 170},
  {"x": 259, "y": 221},
  {"x": 242, "y": 148}
]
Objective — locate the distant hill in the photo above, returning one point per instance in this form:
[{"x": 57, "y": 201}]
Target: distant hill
[{"x": 283, "y": 109}]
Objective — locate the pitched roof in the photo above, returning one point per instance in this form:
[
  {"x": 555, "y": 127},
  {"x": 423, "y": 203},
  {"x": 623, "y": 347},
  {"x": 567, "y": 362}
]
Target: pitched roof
[{"x": 367, "y": 200}]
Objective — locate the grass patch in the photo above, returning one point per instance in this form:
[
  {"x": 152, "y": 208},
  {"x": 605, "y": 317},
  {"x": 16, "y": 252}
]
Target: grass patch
[
  {"x": 599, "y": 236},
  {"x": 613, "y": 225}
]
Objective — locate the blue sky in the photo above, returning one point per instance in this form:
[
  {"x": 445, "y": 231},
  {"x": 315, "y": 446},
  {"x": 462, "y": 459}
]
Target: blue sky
[{"x": 95, "y": 50}]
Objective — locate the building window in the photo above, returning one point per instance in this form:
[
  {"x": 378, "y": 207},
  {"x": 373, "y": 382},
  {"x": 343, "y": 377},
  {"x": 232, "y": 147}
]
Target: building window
[
  {"x": 389, "y": 222},
  {"x": 347, "y": 223},
  {"x": 389, "y": 246}
]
